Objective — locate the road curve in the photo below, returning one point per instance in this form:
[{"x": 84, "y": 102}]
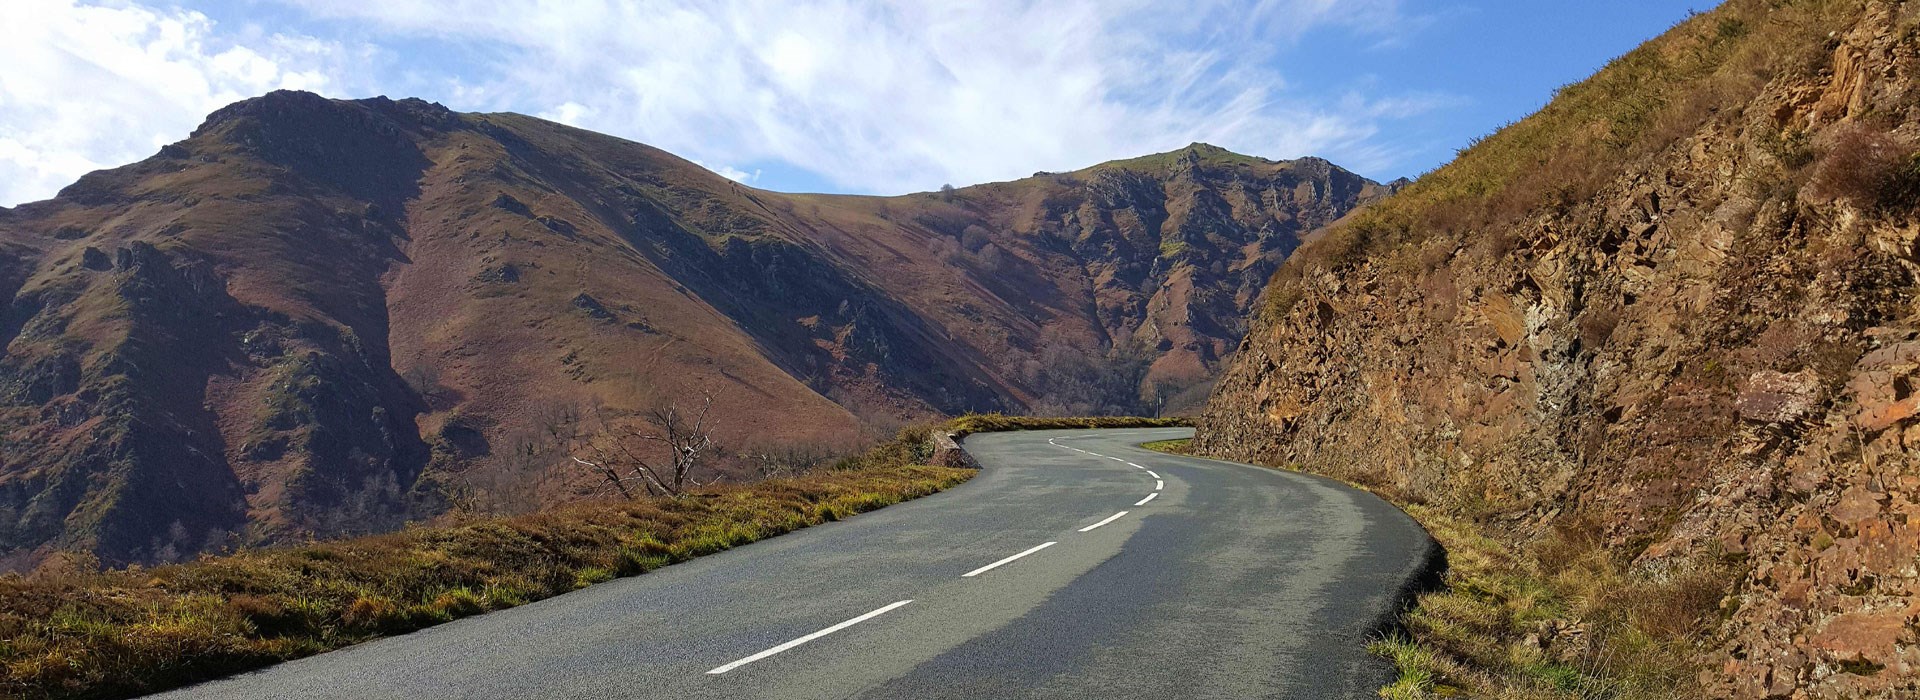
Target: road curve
[{"x": 1220, "y": 580}]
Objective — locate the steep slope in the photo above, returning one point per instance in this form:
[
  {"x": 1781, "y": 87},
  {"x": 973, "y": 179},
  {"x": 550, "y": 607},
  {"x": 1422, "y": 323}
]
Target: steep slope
[
  {"x": 317, "y": 317},
  {"x": 1666, "y": 325}
]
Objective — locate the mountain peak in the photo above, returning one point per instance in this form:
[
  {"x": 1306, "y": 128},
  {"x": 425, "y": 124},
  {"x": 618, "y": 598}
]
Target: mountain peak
[
  {"x": 1191, "y": 154},
  {"x": 301, "y": 105}
]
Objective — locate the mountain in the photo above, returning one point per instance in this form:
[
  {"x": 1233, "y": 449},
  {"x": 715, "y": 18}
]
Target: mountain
[
  {"x": 317, "y": 317},
  {"x": 1664, "y": 327}
]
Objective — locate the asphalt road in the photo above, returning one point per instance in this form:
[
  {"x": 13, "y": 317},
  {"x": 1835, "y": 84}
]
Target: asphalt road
[{"x": 1232, "y": 581}]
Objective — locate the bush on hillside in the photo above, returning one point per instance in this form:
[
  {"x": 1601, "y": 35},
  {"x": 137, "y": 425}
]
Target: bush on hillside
[{"x": 1868, "y": 167}]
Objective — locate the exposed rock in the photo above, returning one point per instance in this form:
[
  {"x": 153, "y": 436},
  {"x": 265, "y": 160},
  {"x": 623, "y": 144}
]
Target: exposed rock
[
  {"x": 1883, "y": 384},
  {"x": 593, "y": 308},
  {"x": 506, "y": 202},
  {"x": 1752, "y": 402},
  {"x": 947, "y": 453},
  {"x": 1779, "y": 397},
  {"x": 95, "y": 259}
]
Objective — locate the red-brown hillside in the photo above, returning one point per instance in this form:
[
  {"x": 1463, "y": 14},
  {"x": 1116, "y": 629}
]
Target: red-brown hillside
[{"x": 319, "y": 316}]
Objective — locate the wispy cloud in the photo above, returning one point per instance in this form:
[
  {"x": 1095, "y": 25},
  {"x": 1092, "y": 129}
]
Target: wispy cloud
[
  {"x": 731, "y": 173},
  {"x": 870, "y": 96}
]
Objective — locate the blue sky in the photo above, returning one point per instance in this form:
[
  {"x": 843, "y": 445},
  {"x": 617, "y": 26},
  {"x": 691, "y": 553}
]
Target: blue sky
[{"x": 826, "y": 95}]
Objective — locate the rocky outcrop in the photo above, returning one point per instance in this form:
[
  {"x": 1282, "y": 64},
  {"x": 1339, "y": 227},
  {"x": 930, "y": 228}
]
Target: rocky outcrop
[
  {"x": 947, "y": 452},
  {"x": 1694, "y": 335}
]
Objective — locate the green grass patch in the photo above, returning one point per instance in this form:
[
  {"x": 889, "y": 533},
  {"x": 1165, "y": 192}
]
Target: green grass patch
[
  {"x": 1419, "y": 669},
  {"x": 1178, "y": 446},
  {"x": 1559, "y": 618}
]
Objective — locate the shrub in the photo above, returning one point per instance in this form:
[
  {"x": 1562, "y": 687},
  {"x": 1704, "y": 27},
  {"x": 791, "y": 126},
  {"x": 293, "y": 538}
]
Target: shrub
[{"x": 1867, "y": 167}]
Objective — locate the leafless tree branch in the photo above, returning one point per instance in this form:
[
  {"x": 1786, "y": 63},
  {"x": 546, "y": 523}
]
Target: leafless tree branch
[{"x": 613, "y": 452}]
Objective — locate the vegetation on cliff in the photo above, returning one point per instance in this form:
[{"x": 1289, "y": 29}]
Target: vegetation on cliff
[{"x": 1641, "y": 361}]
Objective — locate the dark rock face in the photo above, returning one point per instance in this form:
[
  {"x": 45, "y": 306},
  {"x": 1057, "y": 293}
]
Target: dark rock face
[
  {"x": 117, "y": 462},
  {"x": 320, "y": 317},
  {"x": 1174, "y": 248},
  {"x": 116, "y": 367}
]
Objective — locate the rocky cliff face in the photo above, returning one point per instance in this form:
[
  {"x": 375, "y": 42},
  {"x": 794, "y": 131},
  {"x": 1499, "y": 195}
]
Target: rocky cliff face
[
  {"x": 317, "y": 317},
  {"x": 1674, "y": 310}
]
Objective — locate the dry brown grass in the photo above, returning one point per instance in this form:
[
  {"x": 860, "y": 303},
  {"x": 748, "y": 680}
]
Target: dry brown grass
[
  {"x": 995, "y": 422},
  {"x": 1563, "y": 619},
  {"x": 1640, "y": 104},
  {"x": 1867, "y": 166},
  {"x": 71, "y": 631}
]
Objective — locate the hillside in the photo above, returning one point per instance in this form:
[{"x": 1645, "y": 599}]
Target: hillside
[
  {"x": 319, "y": 317},
  {"x": 1655, "y": 346}
]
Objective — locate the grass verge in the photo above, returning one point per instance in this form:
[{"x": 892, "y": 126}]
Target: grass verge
[
  {"x": 995, "y": 422},
  {"x": 1172, "y": 447},
  {"x": 1559, "y": 618},
  {"x": 73, "y": 632}
]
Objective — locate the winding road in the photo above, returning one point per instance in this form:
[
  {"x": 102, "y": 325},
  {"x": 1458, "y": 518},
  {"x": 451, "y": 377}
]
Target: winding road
[{"x": 1076, "y": 565}]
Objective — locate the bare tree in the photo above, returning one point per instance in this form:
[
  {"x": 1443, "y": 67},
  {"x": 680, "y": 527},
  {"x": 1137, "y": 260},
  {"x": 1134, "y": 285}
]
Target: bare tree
[
  {"x": 424, "y": 378},
  {"x": 787, "y": 459},
  {"x": 617, "y": 454},
  {"x": 1153, "y": 395}
]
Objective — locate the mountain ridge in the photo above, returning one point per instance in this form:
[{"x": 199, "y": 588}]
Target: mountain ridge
[{"x": 318, "y": 317}]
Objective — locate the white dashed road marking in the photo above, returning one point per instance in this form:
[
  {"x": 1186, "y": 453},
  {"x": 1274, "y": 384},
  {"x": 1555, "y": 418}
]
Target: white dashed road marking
[
  {"x": 1008, "y": 560},
  {"x": 1110, "y": 518},
  {"x": 808, "y": 638}
]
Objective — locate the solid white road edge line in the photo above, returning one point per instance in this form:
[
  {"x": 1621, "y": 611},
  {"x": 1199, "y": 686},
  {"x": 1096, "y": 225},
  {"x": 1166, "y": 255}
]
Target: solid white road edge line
[
  {"x": 808, "y": 638},
  {"x": 1110, "y": 518},
  {"x": 1157, "y": 485},
  {"x": 1149, "y": 497},
  {"x": 1008, "y": 560}
]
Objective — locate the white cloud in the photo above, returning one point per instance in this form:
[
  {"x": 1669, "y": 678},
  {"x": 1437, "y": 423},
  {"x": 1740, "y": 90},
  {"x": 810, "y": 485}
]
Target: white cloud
[
  {"x": 871, "y": 96},
  {"x": 731, "y": 173},
  {"x": 569, "y": 113},
  {"x": 890, "y": 97},
  {"x": 87, "y": 87}
]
